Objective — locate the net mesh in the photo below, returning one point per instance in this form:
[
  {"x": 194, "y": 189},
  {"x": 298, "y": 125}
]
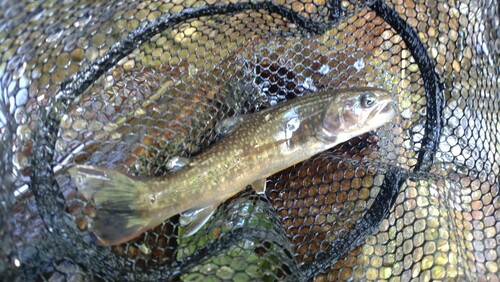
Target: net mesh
[{"x": 130, "y": 84}]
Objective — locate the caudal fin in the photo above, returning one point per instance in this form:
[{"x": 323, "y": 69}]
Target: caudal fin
[{"x": 123, "y": 209}]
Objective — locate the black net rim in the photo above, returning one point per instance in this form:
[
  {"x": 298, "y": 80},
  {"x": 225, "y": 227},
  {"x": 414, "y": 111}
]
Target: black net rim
[{"x": 43, "y": 179}]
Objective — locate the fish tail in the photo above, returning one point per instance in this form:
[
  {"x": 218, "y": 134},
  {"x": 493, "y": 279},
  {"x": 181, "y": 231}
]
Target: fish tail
[{"x": 123, "y": 208}]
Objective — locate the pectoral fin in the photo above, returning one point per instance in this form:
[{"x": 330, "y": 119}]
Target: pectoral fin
[
  {"x": 176, "y": 163},
  {"x": 229, "y": 125},
  {"x": 192, "y": 220},
  {"x": 259, "y": 186}
]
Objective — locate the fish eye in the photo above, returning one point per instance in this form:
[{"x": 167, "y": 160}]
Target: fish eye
[{"x": 368, "y": 100}]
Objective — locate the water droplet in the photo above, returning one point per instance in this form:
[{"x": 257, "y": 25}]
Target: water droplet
[
  {"x": 152, "y": 199},
  {"x": 176, "y": 163},
  {"x": 324, "y": 69},
  {"x": 292, "y": 125},
  {"x": 128, "y": 65},
  {"x": 144, "y": 249},
  {"x": 208, "y": 268},
  {"x": 55, "y": 36},
  {"x": 309, "y": 84},
  {"x": 82, "y": 21},
  {"x": 359, "y": 64},
  {"x": 21, "y": 190},
  {"x": 192, "y": 70}
]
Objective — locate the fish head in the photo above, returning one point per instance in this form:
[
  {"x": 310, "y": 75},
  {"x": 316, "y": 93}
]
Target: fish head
[{"x": 356, "y": 111}]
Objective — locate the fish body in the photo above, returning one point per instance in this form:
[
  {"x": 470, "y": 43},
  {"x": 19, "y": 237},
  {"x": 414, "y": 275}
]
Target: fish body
[{"x": 255, "y": 147}]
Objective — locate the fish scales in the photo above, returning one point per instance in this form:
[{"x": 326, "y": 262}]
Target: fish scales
[{"x": 257, "y": 149}]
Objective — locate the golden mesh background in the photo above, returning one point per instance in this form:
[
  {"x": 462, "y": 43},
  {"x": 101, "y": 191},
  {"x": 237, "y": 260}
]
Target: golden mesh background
[{"x": 164, "y": 98}]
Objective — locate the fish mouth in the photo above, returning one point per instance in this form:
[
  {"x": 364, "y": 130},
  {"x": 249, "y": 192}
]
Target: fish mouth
[
  {"x": 384, "y": 111},
  {"x": 388, "y": 108}
]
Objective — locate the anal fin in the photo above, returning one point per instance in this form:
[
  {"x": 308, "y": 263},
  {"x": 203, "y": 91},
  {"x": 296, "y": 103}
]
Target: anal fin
[{"x": 192, "y": 220}]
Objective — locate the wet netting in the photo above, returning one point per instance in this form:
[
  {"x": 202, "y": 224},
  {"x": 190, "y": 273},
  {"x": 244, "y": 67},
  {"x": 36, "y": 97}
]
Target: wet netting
[{"x": 129, "y": 85}]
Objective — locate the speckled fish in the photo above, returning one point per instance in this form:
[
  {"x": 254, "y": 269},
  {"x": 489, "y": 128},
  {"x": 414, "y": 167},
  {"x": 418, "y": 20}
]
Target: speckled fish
[{"x": 253, "y": 147}]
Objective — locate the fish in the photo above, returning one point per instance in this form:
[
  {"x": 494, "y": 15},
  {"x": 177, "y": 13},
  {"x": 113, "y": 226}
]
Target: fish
[{"x": 252, "y": 147}]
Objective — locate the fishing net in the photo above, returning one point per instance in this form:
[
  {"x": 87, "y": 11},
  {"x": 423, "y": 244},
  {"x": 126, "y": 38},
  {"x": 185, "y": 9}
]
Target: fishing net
[{"x": 130, "y": 84}]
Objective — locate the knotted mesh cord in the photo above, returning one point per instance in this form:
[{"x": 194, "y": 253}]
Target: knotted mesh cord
[{"x": 130, "y": 85}]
